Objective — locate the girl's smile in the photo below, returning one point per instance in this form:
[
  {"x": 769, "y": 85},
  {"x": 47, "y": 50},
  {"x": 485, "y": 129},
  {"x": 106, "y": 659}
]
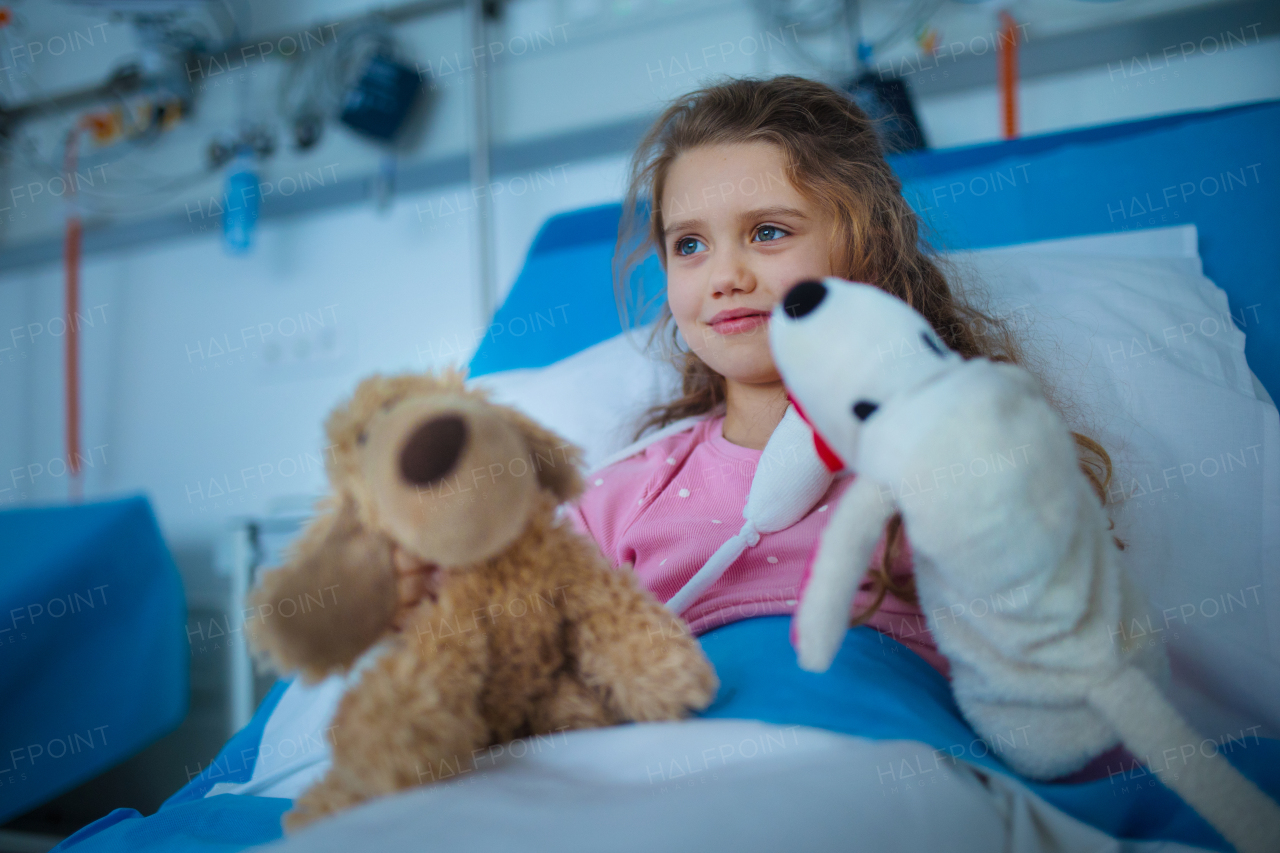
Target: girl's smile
[{"x": 738, "y": 320}]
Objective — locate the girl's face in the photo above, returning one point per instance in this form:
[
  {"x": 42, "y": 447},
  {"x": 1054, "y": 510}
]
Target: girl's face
[{"x": 738, "y": 236}]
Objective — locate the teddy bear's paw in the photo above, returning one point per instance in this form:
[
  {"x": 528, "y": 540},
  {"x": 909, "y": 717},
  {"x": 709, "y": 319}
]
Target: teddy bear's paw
[
  {"x": 324, "y": 798},
  {"x": 674, "y": 706},
  {"x": 697, "y": 685},
  {"x": 691, "y": 687},
  {"x": 691, "y": 675}
]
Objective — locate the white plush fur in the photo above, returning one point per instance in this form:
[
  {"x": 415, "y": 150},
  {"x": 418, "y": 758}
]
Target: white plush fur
[{"x": 1015, "y": 567}]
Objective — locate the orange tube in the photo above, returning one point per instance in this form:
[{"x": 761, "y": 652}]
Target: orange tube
[
  {"x": 71, "y": 262},
  {"x": 1007, "y": 72}
]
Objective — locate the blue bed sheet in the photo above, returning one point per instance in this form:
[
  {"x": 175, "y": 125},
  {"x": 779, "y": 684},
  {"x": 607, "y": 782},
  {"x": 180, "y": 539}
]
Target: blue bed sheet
[
  {"x": 93, "y": 647},
  {"x": 877, "y": 688}
]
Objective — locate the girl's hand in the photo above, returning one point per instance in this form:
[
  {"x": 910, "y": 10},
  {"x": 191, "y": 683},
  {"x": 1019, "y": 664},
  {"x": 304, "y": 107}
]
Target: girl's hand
[{"x": 416, "y": 580}]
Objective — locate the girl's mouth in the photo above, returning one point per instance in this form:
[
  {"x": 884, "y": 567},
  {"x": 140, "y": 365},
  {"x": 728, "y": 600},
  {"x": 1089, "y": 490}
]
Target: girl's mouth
[{"x": 739, "y": 322}]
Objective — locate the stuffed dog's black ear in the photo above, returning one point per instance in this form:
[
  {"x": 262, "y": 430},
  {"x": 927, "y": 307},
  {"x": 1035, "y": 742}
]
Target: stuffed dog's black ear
[
  {"x": 335, "y": 597},
  {"x": 556, "y": 462}
]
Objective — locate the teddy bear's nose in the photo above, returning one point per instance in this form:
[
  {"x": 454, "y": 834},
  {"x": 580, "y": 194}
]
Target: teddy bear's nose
[
  {"x": 803, "y": 298},
  {"x": 433, "y": 449}
]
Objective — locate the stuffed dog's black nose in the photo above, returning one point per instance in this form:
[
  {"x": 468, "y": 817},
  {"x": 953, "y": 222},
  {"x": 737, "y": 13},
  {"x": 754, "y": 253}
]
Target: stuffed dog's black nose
[
  {"x": 803, "y": 298},
  {"x": 433, "y": 449}
]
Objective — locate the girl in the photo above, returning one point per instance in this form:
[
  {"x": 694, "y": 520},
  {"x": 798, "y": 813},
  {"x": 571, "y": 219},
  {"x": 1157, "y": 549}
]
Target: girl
[{"x": 754, "y": 186}]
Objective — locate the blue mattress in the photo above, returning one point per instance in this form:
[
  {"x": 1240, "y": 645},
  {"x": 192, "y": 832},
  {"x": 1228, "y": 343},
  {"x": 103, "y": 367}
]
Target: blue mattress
[
  {"x": 93, "y": 644},
  {"x": 876, "y": 688}
]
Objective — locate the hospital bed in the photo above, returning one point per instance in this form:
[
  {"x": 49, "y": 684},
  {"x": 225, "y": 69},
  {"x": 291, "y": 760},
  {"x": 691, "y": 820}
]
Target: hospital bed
[{"x": 1110, "y": 242}]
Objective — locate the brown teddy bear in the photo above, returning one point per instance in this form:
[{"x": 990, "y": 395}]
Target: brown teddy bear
[{"x": 527, "y": 629}]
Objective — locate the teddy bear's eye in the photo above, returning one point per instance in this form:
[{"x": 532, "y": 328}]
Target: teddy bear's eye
[{"x": 362, "y": 438}]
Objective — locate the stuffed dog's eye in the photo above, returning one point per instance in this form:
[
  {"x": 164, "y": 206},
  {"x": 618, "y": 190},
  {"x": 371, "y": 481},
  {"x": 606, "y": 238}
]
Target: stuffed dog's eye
[{"x": 864, "y": 409}]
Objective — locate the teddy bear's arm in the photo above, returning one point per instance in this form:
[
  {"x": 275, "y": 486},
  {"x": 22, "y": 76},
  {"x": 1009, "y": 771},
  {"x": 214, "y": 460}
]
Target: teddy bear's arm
[
  {"x": 637, "y": 656},
  {"x": 331, "y": 600}
]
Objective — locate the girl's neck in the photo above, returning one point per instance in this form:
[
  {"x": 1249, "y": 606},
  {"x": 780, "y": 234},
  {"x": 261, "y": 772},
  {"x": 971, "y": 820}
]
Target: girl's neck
[{"x": 752, "y": 412}]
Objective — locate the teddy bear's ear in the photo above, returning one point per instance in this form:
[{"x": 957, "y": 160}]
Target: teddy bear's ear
[
  {"x": 556, "y": 461},
  {"x": 332, "y": 599}
]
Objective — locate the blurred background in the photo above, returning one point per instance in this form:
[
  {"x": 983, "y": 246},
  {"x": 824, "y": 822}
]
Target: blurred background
[{"x": 238, "y": 209}]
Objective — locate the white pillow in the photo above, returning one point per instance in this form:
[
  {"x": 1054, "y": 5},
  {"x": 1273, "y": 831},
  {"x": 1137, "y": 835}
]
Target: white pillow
[
  {"x": 1175, "y": 241},
  {"x": 1129, "y": 333},
  {"x": 1146, "y": 350},
  {"x": 592, "y": 398}
]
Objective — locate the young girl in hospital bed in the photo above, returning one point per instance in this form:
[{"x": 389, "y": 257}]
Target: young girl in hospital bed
[{"x": 750, "y": 187}]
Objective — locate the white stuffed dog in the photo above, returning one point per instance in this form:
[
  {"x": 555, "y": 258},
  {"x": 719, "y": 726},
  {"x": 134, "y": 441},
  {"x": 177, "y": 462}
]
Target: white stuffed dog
[{"x": 998, "y": 512}]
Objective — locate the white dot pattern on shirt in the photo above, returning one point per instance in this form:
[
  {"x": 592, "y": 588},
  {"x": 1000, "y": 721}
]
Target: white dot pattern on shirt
[
  {"x": 685, "y": 493},
  {"x": 599, "y": 482}
]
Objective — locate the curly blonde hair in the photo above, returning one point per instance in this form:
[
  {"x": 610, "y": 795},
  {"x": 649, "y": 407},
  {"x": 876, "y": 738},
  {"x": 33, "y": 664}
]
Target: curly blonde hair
[{"x": 835, "y": 160}]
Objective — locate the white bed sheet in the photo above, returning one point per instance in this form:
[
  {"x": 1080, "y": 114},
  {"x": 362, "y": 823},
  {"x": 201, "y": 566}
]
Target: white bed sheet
[{"x": 712, "y": 785}]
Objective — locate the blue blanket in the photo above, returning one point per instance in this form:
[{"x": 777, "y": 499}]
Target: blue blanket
[{"x": 877, "y": 688}]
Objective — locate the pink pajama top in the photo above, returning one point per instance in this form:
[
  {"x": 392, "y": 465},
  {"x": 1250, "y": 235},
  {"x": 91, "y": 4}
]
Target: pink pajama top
[{"x": 668, "y": 508}]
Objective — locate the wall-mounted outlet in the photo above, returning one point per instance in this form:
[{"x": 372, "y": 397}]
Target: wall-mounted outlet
[{"x": 306, "y": 349}]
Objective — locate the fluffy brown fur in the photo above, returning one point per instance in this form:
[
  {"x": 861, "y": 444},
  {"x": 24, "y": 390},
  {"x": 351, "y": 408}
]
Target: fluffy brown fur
[{"x": 530, "y": 631}]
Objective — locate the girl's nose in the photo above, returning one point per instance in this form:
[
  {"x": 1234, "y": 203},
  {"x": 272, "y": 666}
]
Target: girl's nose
[{"x": 729, "y": 275}]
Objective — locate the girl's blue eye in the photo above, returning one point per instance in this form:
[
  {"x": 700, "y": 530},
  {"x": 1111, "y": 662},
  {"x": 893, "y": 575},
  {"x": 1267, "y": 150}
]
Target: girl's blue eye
[
  {"x": 687, "y": 245},
  {"x": 770, "y": 229}
]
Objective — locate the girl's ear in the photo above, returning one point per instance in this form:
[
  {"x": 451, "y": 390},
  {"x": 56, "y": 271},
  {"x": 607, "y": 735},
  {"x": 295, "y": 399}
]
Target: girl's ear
[
  {"x": 334, "y": 597},
  {"x": 556, "y": 461}
]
